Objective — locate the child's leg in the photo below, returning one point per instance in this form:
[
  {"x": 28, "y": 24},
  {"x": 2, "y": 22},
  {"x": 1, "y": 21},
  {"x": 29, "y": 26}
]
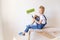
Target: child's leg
[
  {"x": 27, "y": 29},
  {"x": 30, "y": 27},
  {"x": 40, "y": 26}
]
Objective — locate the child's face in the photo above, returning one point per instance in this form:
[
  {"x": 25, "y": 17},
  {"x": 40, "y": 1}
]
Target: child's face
[{"x": 41, "y": 11}]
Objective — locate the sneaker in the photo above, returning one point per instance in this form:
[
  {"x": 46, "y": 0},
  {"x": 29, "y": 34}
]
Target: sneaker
[{"x": 21, "y": 33}]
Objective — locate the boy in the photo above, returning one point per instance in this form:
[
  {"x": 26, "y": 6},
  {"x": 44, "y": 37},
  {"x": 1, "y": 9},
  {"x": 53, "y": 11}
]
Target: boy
[{"x": 40, "y": 21}]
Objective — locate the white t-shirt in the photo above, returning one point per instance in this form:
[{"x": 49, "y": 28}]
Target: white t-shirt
[{"x": 41, "y": 17}]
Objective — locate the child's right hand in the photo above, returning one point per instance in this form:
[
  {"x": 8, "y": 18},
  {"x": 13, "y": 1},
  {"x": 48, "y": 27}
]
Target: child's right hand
[{"x": 35, "y": 16}]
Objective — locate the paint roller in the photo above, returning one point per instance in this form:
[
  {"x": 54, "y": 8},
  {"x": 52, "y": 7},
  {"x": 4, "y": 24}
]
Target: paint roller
[{"x": 30, "y": 11}]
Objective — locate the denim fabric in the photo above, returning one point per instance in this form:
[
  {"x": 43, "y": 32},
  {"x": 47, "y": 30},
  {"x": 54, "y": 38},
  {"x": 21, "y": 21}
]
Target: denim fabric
[{"x": 37, "y": 26}]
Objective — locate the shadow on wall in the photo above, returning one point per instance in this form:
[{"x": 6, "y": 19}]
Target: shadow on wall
[{"x": 52, "y": 21}]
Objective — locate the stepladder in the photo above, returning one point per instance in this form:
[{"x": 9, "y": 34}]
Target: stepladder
[{"x": 41, "y": 32}]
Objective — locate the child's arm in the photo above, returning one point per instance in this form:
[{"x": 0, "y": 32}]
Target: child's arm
[
  {"x": 33, "y": 19},
  {"x": 39, "y": 22}
]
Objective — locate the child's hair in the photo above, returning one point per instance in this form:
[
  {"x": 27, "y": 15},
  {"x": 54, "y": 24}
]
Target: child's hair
[{"x": 42, "y": 7}]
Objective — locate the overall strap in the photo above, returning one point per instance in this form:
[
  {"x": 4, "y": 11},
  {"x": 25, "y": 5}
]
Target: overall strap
[{"x": 45, "y": 18}]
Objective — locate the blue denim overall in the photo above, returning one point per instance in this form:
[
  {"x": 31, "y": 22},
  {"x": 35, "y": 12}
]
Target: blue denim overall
[{"x": 37, "y": 26}]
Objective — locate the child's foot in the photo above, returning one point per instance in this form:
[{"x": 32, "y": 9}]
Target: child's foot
[{"x": 21, "y": 33}]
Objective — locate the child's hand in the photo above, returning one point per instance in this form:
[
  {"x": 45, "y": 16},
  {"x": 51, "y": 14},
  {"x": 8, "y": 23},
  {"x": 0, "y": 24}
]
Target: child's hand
[
  {"x": 35, "y": 19},
  {"x": 35, "y": 16}
]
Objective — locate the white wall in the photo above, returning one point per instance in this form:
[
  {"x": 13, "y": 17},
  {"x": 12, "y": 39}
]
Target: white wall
[
  {"x": 1, "y": 30},
  {"x": 15, "y": 17},
  {"x": 8, "y": 16},
  {"x": 1, "y": 26}
]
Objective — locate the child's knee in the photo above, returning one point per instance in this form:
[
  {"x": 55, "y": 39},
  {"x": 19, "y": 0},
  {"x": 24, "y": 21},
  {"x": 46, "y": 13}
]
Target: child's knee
[{"x": 28, "y": 26}]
